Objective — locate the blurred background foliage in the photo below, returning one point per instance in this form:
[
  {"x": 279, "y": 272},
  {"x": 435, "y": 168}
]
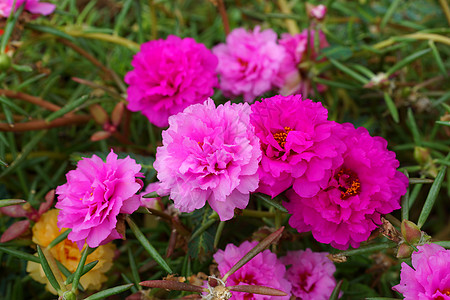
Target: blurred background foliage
[{"x": 387, "y": 69}]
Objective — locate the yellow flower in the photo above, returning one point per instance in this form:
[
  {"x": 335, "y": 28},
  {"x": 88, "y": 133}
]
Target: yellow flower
[{"x": 67, "y": 252}]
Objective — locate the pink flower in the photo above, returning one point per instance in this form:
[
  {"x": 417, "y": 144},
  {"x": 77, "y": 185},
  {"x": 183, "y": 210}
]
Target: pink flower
[
  {"x": 209, "y": 154},
  {"x": 264, "y": 269},
  {"x": 311, "y": 274},
  {"x": 292, "y": 78},
  {"x": 298, "y": 144},
  {"x": 364, "y": 187},
  {"x": 249, "y": 62},
  {"x": 318, "y": 12},
  {"x": 33, "y": 6},
  {"x": 429, "y": 277},
  {"x": 95, "y": 193},
  {"x": 168, "y": 76}
]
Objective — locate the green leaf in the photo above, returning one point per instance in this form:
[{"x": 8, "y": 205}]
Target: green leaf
[
  {"x": 391, "y": 107},
  {"x": 59, "y": 239},
  {"x": 445, "y": 123},
  {"x": 79, "y": 271},
  {"x": 445, "y": 244},
  {"x": 349, "y": 71},
  {"x": 438, "y": 58},
  {"x": 51, "y": 30},
  {"x": 432, "y": 196},
  {"x": 367, "y": 249},
  {"x": 201, "y": 241},
  {"x": 411, "y": 122},
  {"x": 406, "y": 61},
  {"x": 9, "y": 202},
  {"x": 389, "y": 13},
  {"x": 21, "y": 255},
  {"x": 270, "y": 202},
  {"x": 10, "y": 24},
  {"x": 67, "y": 108},
  {"x": 405, "y": 202},
  {"x": 337, "y": 289},
  {"x": 336, "y": 52},
  {"x": 14, "y": 106},
  {"x": 86, "y": 268},
  {"x": 25, "y": 151},
  {"x": 47, "y": 270},
  {"x": 134, "y": 269},
  {"x": 337, "y": 84},
  {"x": 147, "y": 246},
  {"x": 110, "y": 292}
]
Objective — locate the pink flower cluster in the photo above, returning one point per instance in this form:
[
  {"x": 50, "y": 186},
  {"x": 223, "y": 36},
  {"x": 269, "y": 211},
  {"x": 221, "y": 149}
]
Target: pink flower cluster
[
  {"x": 309, "y": 275},
  {"x": 33, "y": 6},
  {"x": 429, "y": 276},
  {"x": 342, "y": 178},
  {"x": 252, "y": 62},
  {"x": 168, "y": 76},
  {"x": 94, "y": 195},
  {"x": 209, "y": 155}
]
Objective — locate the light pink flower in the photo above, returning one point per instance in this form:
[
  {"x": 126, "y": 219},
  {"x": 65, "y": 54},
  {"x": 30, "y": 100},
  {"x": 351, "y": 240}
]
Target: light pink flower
[
  {"x": 95, "y": 193},
  {"x": 292, "y": 78},
  {"x": 33, "y": 6},
  {"x": 318, "y": 12},
  {"x": 209, "y": 154},
  {"x": 364, "y": 187},
  {"x": 429, "y": 277},
  {"x": 298, "y": 144},
  {"x": 168, "y": 76},
  {"x": 249, "y": 62},
  {"x": 264, "y": 269},
  {"x": 311, "y": 274}
]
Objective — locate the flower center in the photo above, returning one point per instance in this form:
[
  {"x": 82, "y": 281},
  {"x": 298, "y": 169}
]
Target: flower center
[
  {"x": 349, "y": 183},
  {"x": 281, "y": 136}
]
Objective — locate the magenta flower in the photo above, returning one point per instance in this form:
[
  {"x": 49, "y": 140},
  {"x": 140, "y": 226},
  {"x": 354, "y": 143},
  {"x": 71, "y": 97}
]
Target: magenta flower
[
  {"x": 311, "y": 274},
  {"x": 249, "y": 62},
  {"x": 168, "y": 76},
  {"x": 298, "y": 144},
  {"x": 364, "y": 187},
  {"x": 33, "y": 6},
  {"x": 209, "y": 154},
  {"x": 292, "y": 78},
  {"x": 429, "y": 277},
  {"x": 264, "y": 269},
  {"x": 95, "y": 193}
]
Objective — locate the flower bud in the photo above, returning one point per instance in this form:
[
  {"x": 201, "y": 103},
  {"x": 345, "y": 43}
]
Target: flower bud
[
  {"x": 404, "y": 251},
  {"x": 411, "y": 233},
  {"x": 317, "y": 12},
  {"x": 422, "y": 155},
  {"x": 5, "y": 62}
]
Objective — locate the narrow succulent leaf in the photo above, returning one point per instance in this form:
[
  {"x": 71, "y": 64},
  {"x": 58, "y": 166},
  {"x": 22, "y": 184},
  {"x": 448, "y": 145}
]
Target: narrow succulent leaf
[
  {"x": 420, "y": 180},
  {"x": 218, "y": 234},
  {"x": 445, "y": 244},
  {"x": 406, "y": 61},
  {"x": 15, "y": 230},
  {"x": 110, "y": 292},
  {"x": 387, "y": 16},
  {"x": 75, "y": 104},
  {"x": 253, "y": 252},
  {"x": 79, "y": 271},
  {"x": 49, "y": 198},
  {"x": 51, "y": 30},
  {"x": 14, "y": 106},
  {"x": 438, "y": 58},
  {"x": 203, "y": 228},
  {"x": 172, "y": 285},
  {"x": 364, "y": 70},
  {"x": 25, "y": 151},
  {"x": 151, "y": 195},
  {"x": 411, "y": 122},
  {"x": 47, "y": 270},
  {"x": 99, "y": 114},
  {"x": 9, "y": 202},
  {"x": 431, "y": 198},
  {"x": 391, "y": 107},
  {"x": 349, "y": 71},
  {"x": 271, "y": 202},
  {"x": 445, "y": 123},
  {"x": 337, "y": 84},
  {"x": 117, "y": 113},
  {"x": 10, "y": 24},
  {"x": 59, "y": 239},
  {"x": 21, "y": 255},
  {"x": 86, "y": 269},
  {"x": 256, "y": 289},
  {"x": 405, "y": 202},
  {"x": 336, "y": 291},
  {"x": 367, "y": 249},
  {"x": 67, "y": 273},
  {"x": 100, "y": 135},
  {"x": 146, "y": 244},
  {"x": 134, "y": 270}
]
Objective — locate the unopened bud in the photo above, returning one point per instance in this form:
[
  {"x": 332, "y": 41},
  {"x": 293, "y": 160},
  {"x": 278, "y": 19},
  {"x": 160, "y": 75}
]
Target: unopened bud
[
  {"x": 404, "y": 251},
  {"x": 318, "y": 12},
  {"x": 422, "y": 155},
  {"x": 5, "y": 62},
  {"x": 69, "y": 295},
  {"x": 99, "y": 114},
  {"x": 411, "y": 233}
]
